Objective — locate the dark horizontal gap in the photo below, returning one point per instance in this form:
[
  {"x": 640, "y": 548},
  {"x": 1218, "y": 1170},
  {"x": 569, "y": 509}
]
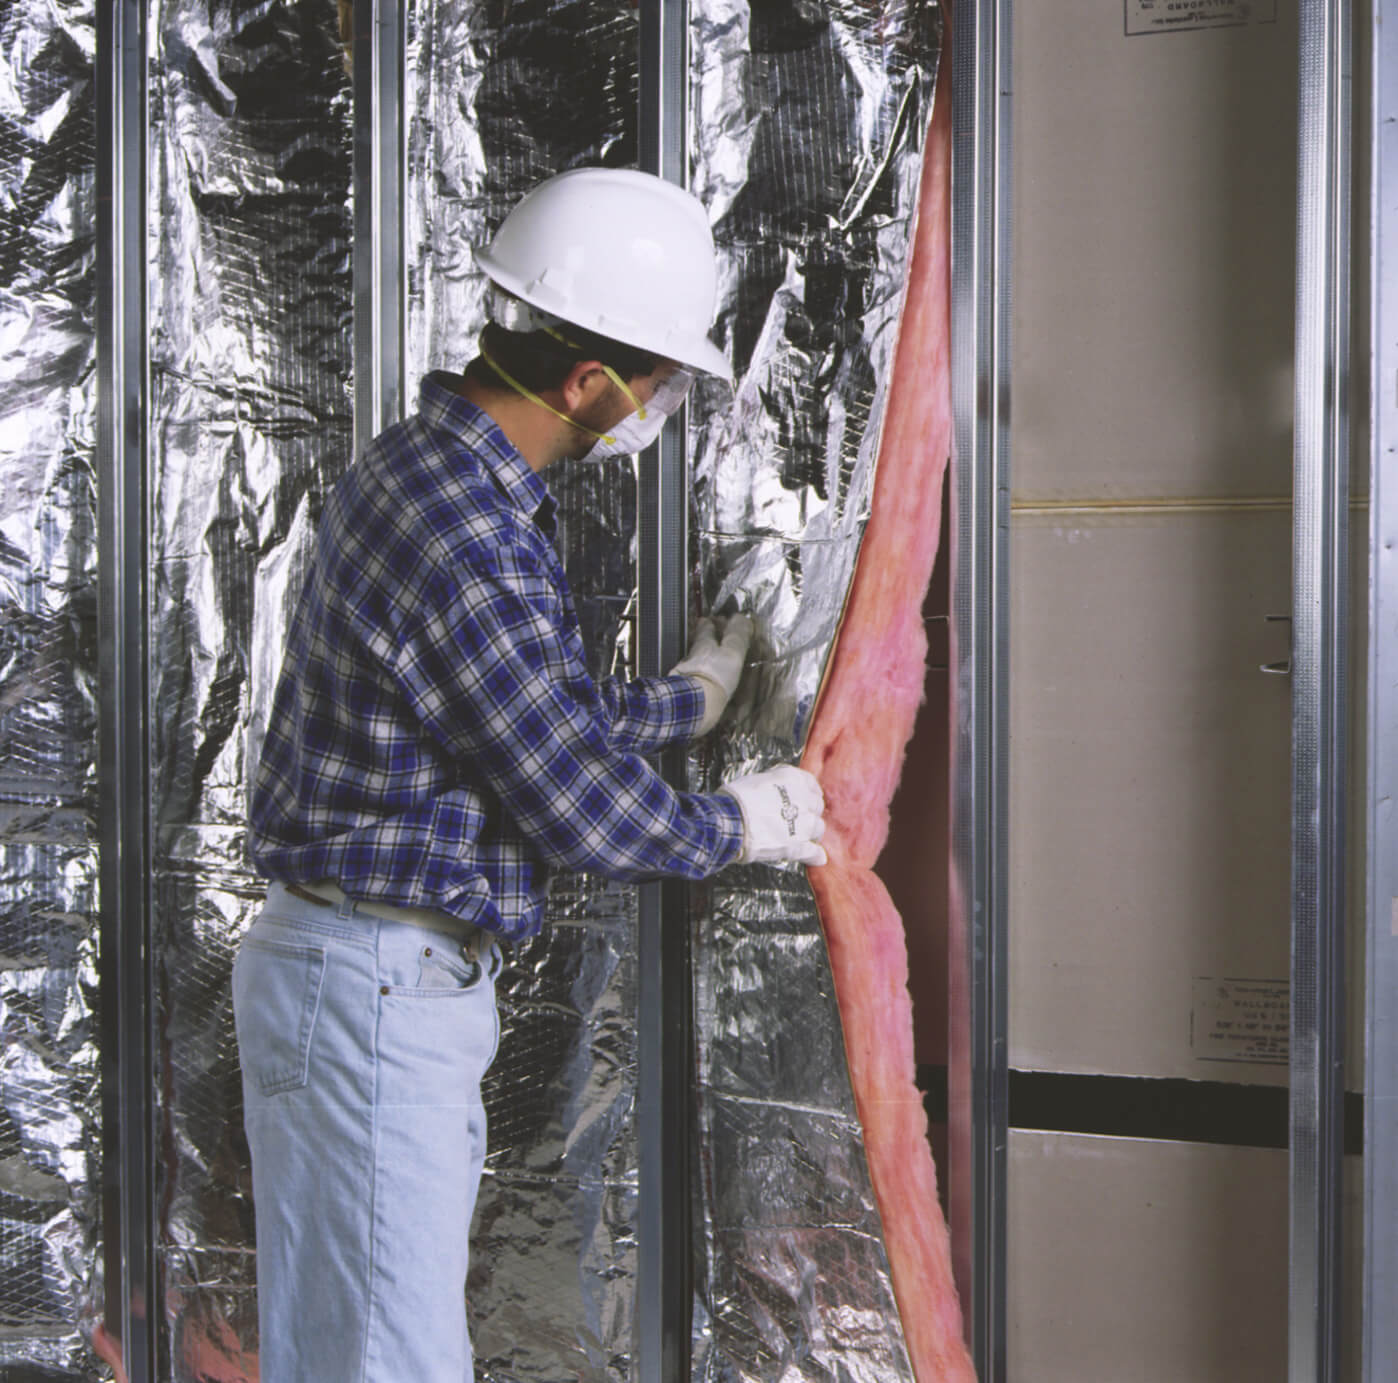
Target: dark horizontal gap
[{"x": 1184, "y": 1111}]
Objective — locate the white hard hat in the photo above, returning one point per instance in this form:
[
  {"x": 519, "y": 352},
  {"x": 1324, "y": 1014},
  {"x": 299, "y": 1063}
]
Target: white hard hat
[{"x": 618, "y": 252}]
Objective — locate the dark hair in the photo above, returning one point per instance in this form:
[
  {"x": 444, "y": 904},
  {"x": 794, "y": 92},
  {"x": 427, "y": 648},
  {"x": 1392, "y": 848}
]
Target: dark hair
[{"x": 540, "y": 361}]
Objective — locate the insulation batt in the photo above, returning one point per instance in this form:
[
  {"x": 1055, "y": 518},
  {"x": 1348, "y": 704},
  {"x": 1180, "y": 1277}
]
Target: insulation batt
[{"x": 861, "y": 729}]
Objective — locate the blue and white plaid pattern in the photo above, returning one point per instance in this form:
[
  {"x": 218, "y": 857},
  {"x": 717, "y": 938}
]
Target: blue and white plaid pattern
[{"x": 436, "y": 739}]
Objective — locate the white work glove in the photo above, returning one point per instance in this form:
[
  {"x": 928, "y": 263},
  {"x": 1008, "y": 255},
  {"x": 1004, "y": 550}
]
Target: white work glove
[
  {"x": 717, "y": 664},
  {"x": 782, "y": 815}
]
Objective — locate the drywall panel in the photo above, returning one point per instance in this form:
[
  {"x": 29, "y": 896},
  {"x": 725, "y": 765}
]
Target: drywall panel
[
  {"x": 1149, "y": 787},
  {"x": 1150, "y": 792},
  {"x": 1137, "y": 1261},
  {"x": 1154, "y": 247}
]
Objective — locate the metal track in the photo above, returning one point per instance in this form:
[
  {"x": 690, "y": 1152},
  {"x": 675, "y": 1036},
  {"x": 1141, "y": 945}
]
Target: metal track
[
  {"x": 665, "y": 1133},
  {"x": 379, "y": 185},
  {"x": 981, "y": 96},
  {"x": 1380, "y": 1285},
  {"x": 1320, "y": 581},
  {"x": 132, "y": 1304}
]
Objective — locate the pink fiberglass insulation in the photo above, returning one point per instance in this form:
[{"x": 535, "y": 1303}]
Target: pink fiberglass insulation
[{"x": 862, "y": 726}]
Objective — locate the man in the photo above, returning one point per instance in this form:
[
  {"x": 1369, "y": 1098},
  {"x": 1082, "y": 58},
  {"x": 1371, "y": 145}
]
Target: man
[{"x": 436, "y": 747}]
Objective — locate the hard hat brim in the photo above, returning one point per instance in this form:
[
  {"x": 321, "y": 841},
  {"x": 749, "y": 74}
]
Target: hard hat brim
[{"x": 683, "y": 348}]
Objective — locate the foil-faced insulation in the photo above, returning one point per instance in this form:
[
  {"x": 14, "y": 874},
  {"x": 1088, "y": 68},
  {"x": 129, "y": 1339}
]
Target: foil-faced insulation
[
  {"x": 250, "y": 422},
  {"x": 807, "y": 137},
  {"x": 805, "y": 151},
  {"x": 807, "y": 128},
  {"x": 50, "y": 1099},
  {"x": 500, "y": 98}
]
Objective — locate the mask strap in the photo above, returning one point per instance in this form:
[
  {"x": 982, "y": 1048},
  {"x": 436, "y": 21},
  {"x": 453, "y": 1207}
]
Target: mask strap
[
  {"x": 611, "y": 373},
  {"x": 534, "y": 398}
]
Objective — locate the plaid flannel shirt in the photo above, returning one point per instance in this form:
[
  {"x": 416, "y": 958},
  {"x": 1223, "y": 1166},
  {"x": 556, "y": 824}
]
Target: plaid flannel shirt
[{"x": 436, "y": 739}]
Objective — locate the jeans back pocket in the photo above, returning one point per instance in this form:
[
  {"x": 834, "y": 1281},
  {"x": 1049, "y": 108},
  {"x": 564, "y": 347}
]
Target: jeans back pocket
[{"x": 276, "y": 997}]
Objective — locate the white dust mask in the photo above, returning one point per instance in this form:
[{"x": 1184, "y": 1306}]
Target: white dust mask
[{"x": 637, "y": 430}]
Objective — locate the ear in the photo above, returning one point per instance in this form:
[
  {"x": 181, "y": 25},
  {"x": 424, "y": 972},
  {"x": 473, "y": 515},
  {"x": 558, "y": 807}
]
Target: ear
[{"x": 583, "y": 385}]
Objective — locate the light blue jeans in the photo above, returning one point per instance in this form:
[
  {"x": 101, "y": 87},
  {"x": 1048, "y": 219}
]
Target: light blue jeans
[{"x": 363, "y": 1043}]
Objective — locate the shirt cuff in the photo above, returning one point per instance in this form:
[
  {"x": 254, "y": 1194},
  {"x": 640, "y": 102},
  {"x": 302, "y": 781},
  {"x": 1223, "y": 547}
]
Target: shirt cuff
[
  {"x": 690, "y": 704},
  {"x": 730, "y": 826}
]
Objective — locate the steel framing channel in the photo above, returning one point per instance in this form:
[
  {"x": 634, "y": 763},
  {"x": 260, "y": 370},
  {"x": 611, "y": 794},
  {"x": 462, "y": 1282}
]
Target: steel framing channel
[
  {"x": 664, "y": 1097},
  {"x": 124, "y": 828},
  {"x": 1381, "y": 1054},
  {"x": 1320, "y": 542},
  {"x": 380, "y": 44},
  {"x": 981, "y": 94}
]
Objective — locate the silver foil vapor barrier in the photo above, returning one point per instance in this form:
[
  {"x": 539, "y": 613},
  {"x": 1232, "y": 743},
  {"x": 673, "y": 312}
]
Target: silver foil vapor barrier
[
  {"x": 50, "y": 1096},
  {"x": 808, "y": 129},
  {"x": 807, "y": 124},
  {"x": 500, "y": 98},
  {"x": 250, "y": 422}
]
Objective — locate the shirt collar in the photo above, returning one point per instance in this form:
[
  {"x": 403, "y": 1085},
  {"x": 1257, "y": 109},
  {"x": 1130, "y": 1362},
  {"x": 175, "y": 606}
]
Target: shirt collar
[{"x": 442, "y": 407}]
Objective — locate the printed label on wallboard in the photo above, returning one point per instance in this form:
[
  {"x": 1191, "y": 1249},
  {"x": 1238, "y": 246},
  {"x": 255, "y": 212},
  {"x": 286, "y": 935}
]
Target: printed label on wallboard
[
  {"x": 1162, "y": 16},
  {"x": 1241, "y": 1020}
]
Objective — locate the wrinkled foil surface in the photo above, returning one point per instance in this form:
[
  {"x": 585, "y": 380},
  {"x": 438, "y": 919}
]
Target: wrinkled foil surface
[
  {"x": 250, "y": 423},
  {"x": 808, "y": 126},
  {"x": 50, "y": 1099}
]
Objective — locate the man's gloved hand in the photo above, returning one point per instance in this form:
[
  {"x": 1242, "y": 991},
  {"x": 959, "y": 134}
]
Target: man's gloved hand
[
  {"x": 718, "y": 664},
  {"x": 782, "y": 815}
]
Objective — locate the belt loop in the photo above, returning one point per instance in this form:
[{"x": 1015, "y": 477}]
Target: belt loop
[{"x": 346, "y": 909}]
